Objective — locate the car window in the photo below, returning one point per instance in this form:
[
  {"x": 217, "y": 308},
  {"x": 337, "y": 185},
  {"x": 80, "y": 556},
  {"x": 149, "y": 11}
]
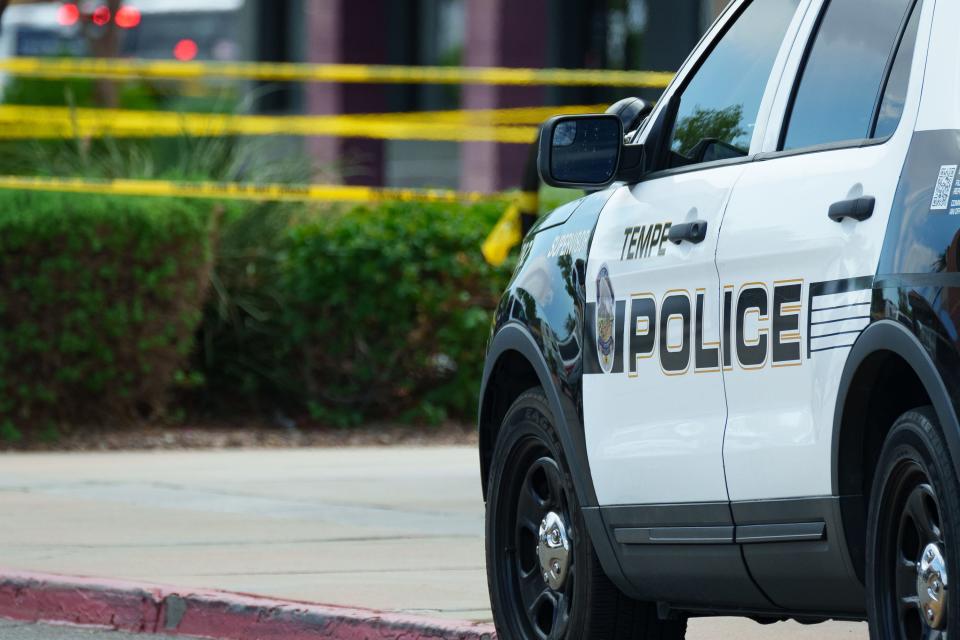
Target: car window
[
  {"x": 837, "y": 95},
  {"x": 895, "y": 93},
  {"x": 718, "y": 108}
]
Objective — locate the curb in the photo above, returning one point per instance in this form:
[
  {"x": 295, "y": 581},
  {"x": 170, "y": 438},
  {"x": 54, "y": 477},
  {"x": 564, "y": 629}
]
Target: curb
[{"x": 146, "y": 608}]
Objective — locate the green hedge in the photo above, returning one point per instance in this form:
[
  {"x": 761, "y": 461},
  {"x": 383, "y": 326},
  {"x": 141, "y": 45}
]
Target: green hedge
[
  {"x": 243, "y": 346},
  {"x": 99, "y": 302},
  {"x": 364, "y": 314},
  {"x": 388, "y": 310}
]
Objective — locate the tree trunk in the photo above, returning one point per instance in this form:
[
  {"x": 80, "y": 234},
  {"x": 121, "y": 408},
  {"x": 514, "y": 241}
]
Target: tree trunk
[{"x": 105, "y": 43}]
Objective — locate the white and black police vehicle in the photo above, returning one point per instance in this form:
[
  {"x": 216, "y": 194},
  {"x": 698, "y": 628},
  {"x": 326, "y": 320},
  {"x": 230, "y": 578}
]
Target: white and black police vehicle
[{"x": 762, "y": 288}]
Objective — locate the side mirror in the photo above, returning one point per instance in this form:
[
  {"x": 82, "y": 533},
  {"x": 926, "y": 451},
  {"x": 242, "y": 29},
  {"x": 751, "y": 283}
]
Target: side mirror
[
  {"x": 587, "y": 152},
  {"x": 631, "y": 111},
  {"x": 580, "y": 152}
]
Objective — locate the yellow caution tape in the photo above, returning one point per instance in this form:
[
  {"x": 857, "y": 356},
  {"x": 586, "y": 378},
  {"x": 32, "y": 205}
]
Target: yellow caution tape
[
  {"x": 243, "y": 191},
  {"x": 529, "y": 202},
  {"x": 292, "y": 72},
  {"x": 23, "y": 122},
  {"x": 61, "y": 122},
  {"x": 507, "y": 116},
  {"x": 506, "y": 234}
]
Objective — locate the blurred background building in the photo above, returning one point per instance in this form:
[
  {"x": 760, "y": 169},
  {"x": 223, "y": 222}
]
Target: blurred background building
[{"x": 654, "y": 35}]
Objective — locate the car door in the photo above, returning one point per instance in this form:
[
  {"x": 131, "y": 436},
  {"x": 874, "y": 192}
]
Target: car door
[
  {"x": 654, "y": 405},
  {"x": 799, "y": 247}
]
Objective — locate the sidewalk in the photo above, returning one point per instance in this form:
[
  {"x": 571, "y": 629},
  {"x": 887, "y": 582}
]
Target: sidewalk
[
  {"x": 24, "y": 631},
  {"x": 394, "y": 529}
]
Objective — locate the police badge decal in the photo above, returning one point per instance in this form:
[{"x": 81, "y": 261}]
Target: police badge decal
[{"x": 606, "y": 306}]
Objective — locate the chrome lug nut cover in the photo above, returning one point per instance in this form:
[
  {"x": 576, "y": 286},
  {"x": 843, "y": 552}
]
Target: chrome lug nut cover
[
  {"x": 553, "y": 550},
  {"x": 932, "y": 586}
]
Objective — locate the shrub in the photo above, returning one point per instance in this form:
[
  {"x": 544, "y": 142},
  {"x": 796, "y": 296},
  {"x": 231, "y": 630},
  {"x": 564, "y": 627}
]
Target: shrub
[
  {"x": 99, "y": 301},
  {"x": 243, "y": 342},
  {"x": 388, "y": 310}
]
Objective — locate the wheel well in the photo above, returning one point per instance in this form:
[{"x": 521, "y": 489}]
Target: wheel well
[
  {"x": 510, "y": 377},
  {"x": 884, "y": 387}
]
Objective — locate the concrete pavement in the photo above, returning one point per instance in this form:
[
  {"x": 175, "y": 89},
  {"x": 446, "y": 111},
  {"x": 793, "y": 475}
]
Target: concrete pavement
[
  {"x": 26, "y": 631},
  {"x": 395, "y": 529}
]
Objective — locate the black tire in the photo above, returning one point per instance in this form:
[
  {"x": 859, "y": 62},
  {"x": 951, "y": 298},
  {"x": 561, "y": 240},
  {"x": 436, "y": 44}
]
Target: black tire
[
  {"x": 528, "y": 462},
  {"x": 914, "y": 515}
]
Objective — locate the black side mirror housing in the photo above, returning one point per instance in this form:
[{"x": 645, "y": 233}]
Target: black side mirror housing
[
  {"x": 586, "y": 152},
  {"x": 631, "y": 111}
]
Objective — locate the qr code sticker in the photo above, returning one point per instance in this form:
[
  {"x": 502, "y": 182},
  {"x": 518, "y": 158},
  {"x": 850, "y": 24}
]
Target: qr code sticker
[{"x": 941, "y": 193}]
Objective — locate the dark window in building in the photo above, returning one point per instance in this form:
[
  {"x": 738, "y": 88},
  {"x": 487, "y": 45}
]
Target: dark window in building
[
  {"x": 841, "y": 80},
  {"x": 895, "y": 93},
  {"x": 644, "y": 35},
  {"x": 718, "y": 108},
  {"x": 426, "y": 33},
  {"x": 443, "y": 32},
  {"x": 626, "y": 26},
  {"x": 273, "y": 20}
]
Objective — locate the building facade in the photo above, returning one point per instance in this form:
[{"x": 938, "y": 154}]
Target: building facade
[{"x": 593, "y": 34}]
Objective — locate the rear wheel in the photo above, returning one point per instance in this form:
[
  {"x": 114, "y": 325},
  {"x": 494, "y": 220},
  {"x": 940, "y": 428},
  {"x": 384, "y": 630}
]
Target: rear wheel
[
  {"x": 912, "y": 540},
  {"x": 544, "y": 578}
]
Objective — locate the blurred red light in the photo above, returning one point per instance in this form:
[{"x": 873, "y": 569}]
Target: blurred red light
[
  {"x": 185, "y": 50},
  {"x": 100, "y": 16},
  {"x": 68, "y": 14},
  {"x": 127, "y": 17}
]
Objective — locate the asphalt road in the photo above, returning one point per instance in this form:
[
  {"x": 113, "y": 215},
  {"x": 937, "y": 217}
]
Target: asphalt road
[
  {"x": 396, "y": 529},
  {"x": 26, "y": 631}
]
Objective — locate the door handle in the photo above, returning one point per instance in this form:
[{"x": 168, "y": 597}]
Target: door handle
[
  {"x": 858, "y": 208},
  {"x": 694, "y": 232}
]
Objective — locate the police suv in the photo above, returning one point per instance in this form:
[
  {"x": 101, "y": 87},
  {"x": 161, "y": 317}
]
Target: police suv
[{"x": 727, "y": 381}]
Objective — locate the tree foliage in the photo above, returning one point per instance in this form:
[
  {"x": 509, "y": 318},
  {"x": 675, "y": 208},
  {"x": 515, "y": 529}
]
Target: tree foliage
[{"x": 705, "y": 124}]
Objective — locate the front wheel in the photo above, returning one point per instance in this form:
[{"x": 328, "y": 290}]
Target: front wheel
[
  {"x": 544, "y": 578},
  {"x": 912, "y": 535}
]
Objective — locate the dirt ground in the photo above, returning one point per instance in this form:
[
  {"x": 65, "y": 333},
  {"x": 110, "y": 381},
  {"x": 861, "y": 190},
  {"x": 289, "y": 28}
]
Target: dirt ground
[{"x": 246, "y": 435}]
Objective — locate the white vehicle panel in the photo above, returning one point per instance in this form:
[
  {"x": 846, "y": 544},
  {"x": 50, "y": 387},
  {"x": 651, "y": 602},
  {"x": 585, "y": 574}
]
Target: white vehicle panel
[
  {"x": 780, "y": 427},
  {"x": 654, "y": 435},
  {"x": 940, "y": 105},
  {"x": 779, "y": 435}
]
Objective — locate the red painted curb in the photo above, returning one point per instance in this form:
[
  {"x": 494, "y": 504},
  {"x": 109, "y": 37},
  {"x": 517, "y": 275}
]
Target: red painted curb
[{"x": 144, "y": 608}]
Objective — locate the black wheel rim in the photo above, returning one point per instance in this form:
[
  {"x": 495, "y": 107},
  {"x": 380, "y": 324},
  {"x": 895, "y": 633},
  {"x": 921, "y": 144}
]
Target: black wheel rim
[
  {"x": 913, "y": 524},
  {"x": 536, "y": 488}
]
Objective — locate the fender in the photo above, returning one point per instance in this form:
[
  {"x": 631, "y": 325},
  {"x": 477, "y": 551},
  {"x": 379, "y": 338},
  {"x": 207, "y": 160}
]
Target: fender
[
  {"x": 888, "y": 335},
  {"x": 540, "y": 316},
  {"x": 514, "y": 336},
  {"x": 541, "y": 319}
]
